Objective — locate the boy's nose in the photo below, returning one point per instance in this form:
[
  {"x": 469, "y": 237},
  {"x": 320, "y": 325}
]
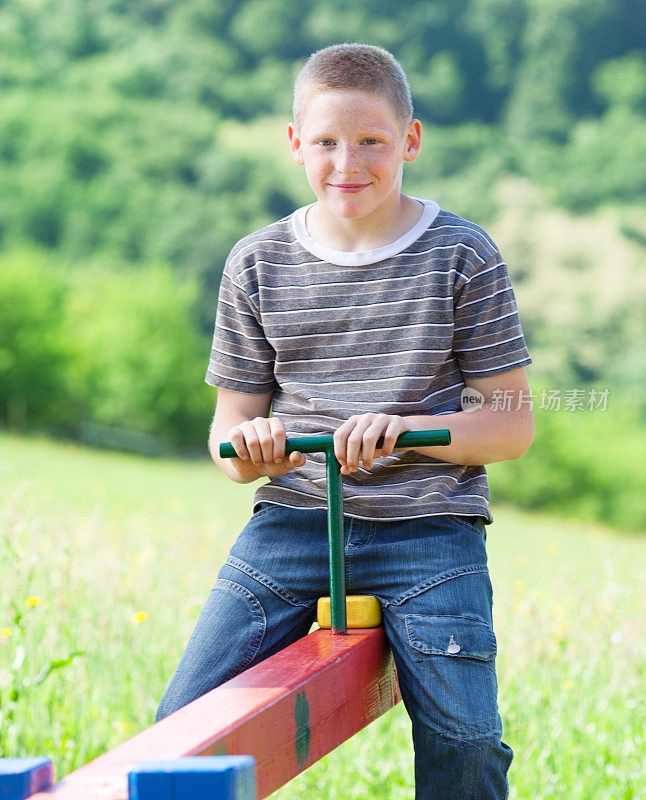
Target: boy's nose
[{"x": 347, "y": 161}]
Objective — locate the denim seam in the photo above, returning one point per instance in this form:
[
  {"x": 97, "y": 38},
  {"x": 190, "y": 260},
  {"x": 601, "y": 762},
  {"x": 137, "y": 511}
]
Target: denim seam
[
  {"x": 461, "y": 616},
  {"x": 469, "y": 734},
  {"x": 370, "y": 535},
  {"x": 258, "y": 613},
  {"x": 348, "y": 574},
  {"x": 266, "y": 581},
  {"x": 471, "y": 569}
]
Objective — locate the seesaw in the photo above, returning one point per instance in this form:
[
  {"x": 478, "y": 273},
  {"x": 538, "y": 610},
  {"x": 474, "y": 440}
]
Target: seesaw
[{"x": 257, "y": 731}]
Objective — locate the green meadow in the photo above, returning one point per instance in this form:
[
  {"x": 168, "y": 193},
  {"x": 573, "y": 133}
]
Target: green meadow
[{"x": 107, "y": 558}]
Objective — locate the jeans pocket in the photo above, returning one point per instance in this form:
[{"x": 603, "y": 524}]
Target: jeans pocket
[
  {"x": 468, "y": 522},
  {"x": 265, "y": 508},
  {"x": 448, "y": 635},
  {"x": 455, "y": 657}
]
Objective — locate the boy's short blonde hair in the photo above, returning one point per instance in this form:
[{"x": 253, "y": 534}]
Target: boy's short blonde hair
[{"x": 363, "y": 67}]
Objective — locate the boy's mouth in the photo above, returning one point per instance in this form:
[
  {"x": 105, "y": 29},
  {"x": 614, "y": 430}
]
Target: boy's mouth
[{"x": 349, "y": 187}]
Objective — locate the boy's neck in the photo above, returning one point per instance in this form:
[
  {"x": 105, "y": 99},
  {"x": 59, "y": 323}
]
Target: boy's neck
[{"x": 359, "y": 235}]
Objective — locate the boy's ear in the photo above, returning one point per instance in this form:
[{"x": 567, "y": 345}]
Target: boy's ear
[
  {"x": 295, "y": 144},
  {"x": 413, "y": 140}
]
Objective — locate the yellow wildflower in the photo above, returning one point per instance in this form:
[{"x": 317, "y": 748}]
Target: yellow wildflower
[
  {"x": 33, "y": 601},
  {"x": 139, "y": 616},
  {"x": 121, "y": 726},
  {"x": 174, "y": 504},
  {"x": 5, "y": 633}
]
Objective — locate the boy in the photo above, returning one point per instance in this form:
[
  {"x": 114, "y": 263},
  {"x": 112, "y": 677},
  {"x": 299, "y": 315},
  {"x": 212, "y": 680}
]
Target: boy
[{"x": 364, "y": 314}]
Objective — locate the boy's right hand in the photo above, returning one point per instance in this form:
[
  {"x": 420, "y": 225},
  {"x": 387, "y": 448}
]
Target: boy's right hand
[{"x": 260, "y": 444}]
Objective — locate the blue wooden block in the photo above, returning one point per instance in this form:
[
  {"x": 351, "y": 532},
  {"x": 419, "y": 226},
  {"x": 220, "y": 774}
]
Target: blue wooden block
[
  {"x": 22, "y": 777},
  {"x": 194, "y": 778}
]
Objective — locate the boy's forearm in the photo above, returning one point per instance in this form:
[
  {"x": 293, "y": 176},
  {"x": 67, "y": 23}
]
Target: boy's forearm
[
  {"x": 235, "y": 468},
  {"x": 483, "y": 436}
]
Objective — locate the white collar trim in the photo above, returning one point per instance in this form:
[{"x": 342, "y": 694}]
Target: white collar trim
[{"x": 358, "y": 259}]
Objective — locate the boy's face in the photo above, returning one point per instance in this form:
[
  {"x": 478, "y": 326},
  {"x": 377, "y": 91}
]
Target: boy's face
[{"x": 353, "y": 151}]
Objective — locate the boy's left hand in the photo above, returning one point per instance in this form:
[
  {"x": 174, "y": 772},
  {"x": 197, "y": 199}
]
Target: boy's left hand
[{"x": 355, "y": 439}]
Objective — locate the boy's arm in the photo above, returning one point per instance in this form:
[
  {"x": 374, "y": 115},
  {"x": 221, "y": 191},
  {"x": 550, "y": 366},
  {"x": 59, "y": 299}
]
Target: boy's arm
[
  {"x": 262, "y": 441},
  {"x": 231, "y": 409},
  {"x": 501, "y": 429}
]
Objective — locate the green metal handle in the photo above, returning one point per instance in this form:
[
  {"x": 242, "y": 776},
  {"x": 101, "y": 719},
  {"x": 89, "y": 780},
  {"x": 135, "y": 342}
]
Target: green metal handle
[
  {"x": 336, "y": 543},
  {"x": 320, "y": 444}
]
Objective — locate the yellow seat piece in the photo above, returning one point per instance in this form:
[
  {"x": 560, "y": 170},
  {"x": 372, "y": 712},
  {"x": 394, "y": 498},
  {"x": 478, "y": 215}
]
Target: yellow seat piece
[{"x": 362, "y": 610}]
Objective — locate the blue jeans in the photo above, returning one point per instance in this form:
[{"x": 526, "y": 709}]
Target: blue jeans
[{"x": 430, "y": 576}]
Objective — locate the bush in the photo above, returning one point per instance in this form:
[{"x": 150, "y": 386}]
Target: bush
[
  {"x": 140, "y": 361},
  {"x": 35, "y": 352},
  {"x": 111, "y": 356},
  {"x": 586, "y": 464}
]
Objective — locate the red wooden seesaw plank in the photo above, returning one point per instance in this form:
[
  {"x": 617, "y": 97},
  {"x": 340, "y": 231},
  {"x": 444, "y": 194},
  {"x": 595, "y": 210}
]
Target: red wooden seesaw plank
[{"x": 286, "y": 712}]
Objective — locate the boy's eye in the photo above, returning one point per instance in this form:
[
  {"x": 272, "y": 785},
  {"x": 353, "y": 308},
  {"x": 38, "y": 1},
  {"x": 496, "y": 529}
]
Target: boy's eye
[
  {"x": 326, "y": 142},
  {"x": 371, "y": 141}
]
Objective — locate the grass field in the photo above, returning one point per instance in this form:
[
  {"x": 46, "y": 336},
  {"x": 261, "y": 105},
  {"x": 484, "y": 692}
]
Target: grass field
[{"x": 112, "y": 555}]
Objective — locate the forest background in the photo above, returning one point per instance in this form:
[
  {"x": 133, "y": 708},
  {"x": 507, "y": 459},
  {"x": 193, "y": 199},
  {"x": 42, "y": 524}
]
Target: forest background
[{"x": 139, "y": 139}]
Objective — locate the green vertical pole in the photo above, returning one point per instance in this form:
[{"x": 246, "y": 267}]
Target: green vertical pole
[{"x": 336, "y": 542}]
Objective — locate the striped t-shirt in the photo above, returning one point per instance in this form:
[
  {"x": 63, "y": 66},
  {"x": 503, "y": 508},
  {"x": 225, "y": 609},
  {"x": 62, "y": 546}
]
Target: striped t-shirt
[{"x": 394, "y": 330}]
